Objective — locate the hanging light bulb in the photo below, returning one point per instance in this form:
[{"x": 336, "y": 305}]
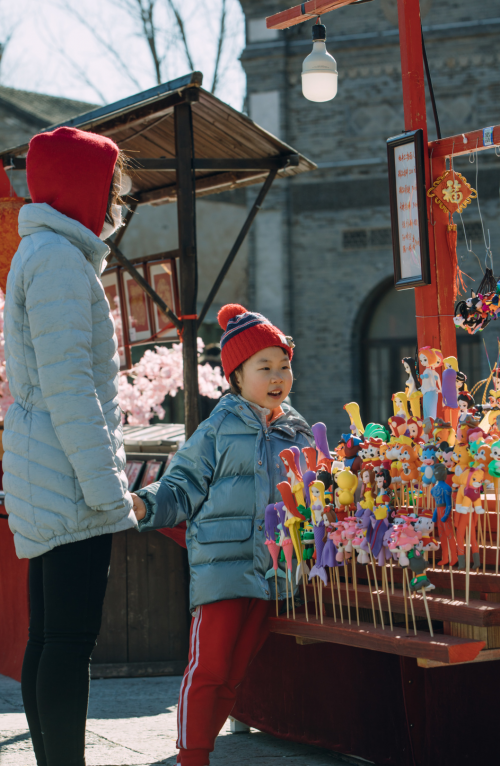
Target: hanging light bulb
[{"x": 319, "y": 70}]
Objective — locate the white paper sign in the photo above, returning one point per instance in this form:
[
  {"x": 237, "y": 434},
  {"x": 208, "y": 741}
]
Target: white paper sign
[{"x": 407, "y": 202}]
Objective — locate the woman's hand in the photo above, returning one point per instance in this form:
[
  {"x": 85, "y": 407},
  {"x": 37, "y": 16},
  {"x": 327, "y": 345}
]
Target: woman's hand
[{"x": 139, "y": 507}]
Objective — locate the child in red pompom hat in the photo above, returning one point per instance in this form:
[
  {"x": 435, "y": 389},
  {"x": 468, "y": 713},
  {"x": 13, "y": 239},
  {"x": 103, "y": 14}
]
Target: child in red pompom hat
[{"x": 220, "y": 484}]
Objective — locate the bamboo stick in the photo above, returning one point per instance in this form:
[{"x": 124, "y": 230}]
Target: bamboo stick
[
  {"x": 315, "y": 597},
  {"x": 467, "y": 558},
  {"x": 320, "y": 593},
  {"x": 410, "y": 595},
  {"x": 451, "y": 572},
  {"x": 286, "y": 592},
  {"x": 346, "y": 577},
  {"x": 305, "y": 595},
  {"x": 371, "y": 596},
  {"x": 333, "y": 595},
  {"x": 376, "y": 586},
  {"x": 406, "y": 604},
  {"x": 336, "y": 570},
  {"x": 384, "y": 570},
  {"x": 427, "y": 613},
  {"x": 498, "y": 525},
  {"x": 355, "y": 584},
  {"x": 276, "y": 587}
]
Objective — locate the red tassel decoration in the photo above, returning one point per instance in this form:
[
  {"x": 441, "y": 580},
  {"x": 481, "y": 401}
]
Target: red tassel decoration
[{"x": 451, "y": 238}]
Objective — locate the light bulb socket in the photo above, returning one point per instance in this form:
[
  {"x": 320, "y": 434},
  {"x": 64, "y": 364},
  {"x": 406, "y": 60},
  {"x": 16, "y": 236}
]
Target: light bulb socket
[{"x": 318, "y": 32}]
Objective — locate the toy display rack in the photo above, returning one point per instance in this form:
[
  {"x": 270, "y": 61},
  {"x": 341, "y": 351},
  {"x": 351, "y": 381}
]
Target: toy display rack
[{"x": 463, "y": 632}]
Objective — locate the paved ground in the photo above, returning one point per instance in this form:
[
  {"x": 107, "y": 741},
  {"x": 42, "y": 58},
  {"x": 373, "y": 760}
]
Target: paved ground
[{"x": 132, "y": 722}]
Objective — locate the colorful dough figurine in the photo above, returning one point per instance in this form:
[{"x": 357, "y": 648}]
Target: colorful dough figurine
[
  {"x": 324, "y": 457},
  {"x": 347, "y": 482},
  {"x": 352, "y": 409},
  {"x": 468, "y": 501},
  {"x": 449, "y": 390},
  {"x": 294, "y": 475},
  {"x": 465, "y": 402},
  {"x": 413, "y": 393},
  {"x": 441, "y": 492},
  {"x": 430, "y": 359},
  {"x": 400, "y": 405},
  {"x": 317, "y": 490}
]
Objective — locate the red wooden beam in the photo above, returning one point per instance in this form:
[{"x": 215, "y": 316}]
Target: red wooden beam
[
  {"x": 447, "y": 649},
  {"x": 484, "y": 614},
  {"x": 304, "y": 12},
  {"x": 433, "y": 303},
  {"x": 464, "y": 143}
]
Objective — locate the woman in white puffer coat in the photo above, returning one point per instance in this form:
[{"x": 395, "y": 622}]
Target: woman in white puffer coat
[{"x": 66, "y": 490}]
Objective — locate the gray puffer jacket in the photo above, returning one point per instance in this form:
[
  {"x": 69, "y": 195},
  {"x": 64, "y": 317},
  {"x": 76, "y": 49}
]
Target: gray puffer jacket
[
  {"x": 220, "y": 482},
  {"x": 64, "y": 458}
]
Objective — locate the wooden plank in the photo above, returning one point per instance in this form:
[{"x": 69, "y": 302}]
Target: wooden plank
[
  {"x": 478, "y": 613},
  {"x": 487, "y": 655},
  {"x": 490, "y": 636},
  {"x": 304, "y": 12},
  {"x": 112, "y": 643},
  {"x": 206, "y": 185},
  {"x": 463, "y": 143},
  {"x": 169, "y": 618},
  {"x": 138, "y": 596},
  {"x": 446, "y": 649},
  {"x": 154, "y": 164},
  {"x": 479, "y": 582}
]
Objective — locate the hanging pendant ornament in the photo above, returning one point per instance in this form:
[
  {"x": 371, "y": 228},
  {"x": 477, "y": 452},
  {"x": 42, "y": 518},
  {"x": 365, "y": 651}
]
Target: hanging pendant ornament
[{"x": 452, "y": 192}]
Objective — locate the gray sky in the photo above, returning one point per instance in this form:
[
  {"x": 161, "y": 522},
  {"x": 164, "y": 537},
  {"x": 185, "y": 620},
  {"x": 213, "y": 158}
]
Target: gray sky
[{"x": 51, "y": 51}]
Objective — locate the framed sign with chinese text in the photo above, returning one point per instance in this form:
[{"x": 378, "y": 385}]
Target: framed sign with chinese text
[
  {"x": 137, "y": 308},
  {"x": 162, "y": 276},
  {"x": 405, "y": 154},
  {"x": 111, "y": 283}
]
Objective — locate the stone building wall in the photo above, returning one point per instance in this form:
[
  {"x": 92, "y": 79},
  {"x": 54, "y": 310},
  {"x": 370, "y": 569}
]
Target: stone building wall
[{"x": 330, "y": 237}]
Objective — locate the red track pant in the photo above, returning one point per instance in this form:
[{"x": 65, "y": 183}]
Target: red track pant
[{"x": 225, "y": 637}]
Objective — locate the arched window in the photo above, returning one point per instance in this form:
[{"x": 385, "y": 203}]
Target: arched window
[{"x": 387, "y": 333}]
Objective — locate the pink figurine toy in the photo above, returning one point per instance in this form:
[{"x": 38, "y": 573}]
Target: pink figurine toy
[{"x": 430, "y": 359}]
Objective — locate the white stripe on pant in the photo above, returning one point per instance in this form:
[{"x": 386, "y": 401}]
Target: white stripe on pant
[{"x": 188, "y": 679}]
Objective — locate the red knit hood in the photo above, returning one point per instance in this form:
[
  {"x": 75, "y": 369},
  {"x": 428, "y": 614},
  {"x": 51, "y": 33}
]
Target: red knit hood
[{"x": 71, "y": 170}]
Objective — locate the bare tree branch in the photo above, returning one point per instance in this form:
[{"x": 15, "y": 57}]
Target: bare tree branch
[
  {"x": 220, "y": 43},
  {"x": 182, "y": 30},
  {"x": 82, "y": 74},
  {"x": 69, "y": 8},
  {"x": 143, "y": 11},
  {"x": 147, "y": 18}
]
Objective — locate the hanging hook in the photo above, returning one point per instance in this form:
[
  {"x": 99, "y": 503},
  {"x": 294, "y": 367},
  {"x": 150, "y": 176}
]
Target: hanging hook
[{"x": 496, "y": 151}]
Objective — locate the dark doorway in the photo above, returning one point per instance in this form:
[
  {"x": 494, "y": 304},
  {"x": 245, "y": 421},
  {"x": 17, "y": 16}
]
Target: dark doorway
[{"x": 389, "y": 333}]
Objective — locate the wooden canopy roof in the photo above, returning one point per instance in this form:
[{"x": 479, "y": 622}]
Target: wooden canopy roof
[{"x": 230, "y": 150}]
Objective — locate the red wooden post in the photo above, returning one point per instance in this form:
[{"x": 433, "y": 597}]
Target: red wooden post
[{"x": 434, "y": 302}]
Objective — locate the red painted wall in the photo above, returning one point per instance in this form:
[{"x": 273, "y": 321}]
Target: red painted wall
[{"x": 14, "y": 604}]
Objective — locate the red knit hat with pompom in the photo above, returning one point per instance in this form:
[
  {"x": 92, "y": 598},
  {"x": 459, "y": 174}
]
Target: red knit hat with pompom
[{"x": 246, "y": 333}]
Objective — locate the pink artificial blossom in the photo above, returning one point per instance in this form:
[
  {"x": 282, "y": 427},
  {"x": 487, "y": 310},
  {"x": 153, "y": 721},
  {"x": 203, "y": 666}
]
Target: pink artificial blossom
[{"x": 158, "y": 374}]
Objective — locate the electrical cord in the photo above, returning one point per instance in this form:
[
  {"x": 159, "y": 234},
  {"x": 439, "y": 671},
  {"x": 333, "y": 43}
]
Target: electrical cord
[{"x": 431, "y": 89}]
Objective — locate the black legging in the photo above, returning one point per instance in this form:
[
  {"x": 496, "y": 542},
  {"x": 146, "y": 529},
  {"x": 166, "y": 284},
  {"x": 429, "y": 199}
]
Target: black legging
[{"x": 67, "y": 587}]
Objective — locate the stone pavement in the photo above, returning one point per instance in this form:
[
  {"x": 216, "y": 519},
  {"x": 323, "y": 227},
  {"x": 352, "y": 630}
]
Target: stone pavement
[{"x": 132, "y": 722}]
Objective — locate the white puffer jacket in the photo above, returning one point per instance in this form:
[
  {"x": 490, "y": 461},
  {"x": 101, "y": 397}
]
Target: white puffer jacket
[{"x": 64, "y": 457}]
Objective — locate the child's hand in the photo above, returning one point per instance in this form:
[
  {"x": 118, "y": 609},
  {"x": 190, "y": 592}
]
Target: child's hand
[{"x": 139, "y": 507}]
